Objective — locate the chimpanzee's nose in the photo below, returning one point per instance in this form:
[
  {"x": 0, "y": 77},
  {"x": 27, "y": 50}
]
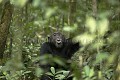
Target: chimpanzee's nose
[{"x": 59, "y": 40}]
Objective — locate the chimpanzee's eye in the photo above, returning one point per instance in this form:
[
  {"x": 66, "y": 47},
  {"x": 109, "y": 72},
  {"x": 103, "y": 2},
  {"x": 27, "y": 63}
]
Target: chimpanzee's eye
[{"x": 54, "y": 34}]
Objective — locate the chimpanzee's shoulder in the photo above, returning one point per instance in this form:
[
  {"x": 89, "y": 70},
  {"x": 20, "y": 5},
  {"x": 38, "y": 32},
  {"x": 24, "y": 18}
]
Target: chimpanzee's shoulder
[{"x": 45, "y": 44}]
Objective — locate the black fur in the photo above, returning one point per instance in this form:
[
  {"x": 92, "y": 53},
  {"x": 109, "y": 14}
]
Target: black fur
[
  {"x": 66, "y": 48},
  {"x": 58, "y": 45}
]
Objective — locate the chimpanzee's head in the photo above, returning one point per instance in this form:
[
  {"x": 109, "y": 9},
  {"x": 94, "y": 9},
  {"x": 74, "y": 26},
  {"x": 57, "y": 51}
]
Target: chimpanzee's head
[{"x": 57, "y": 39}]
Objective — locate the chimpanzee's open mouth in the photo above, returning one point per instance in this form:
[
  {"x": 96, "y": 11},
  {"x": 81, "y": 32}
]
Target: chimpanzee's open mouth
[{"x": 59, "y": 44}]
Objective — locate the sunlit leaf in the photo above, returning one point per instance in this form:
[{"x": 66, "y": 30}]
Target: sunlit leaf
[
  {"x": 36, "y": 3},
  {"x": 1, "y": 1},
  {"x": 85, "y": 39},
  {"x": 87, "y": 70},
  {"x": 111, "y": 58},
  {"x": 70, "y": 28},
  {"x": 52, "y": 70},
  {"x": 60, "y": 72},
  {"x": 75, "y": 78},
  {"x": 38, "y": 72},
  {"x": 99, "y": 74},
  {"x": 100, "y": 57},
  {"x": 20, "y": 3},
  {"x": 91, "y": 24},
  {"x": 49, "y": 73},
  {"x": 67, "y": 28},
  {"x": 5, "y": 73},
  {"x": 59, "y": 76},
  {"x": 98, "y": 43},
  {"x": 58, "y": 61},
  {"x": 50, "y": 12},
  {"x": 91, "y": 72},
  {"x": 2, "y": 77},
  {"x": 65, "y": 73},
  {"x": 26, "y": 72},
  {"x": 103, "y": 26}
]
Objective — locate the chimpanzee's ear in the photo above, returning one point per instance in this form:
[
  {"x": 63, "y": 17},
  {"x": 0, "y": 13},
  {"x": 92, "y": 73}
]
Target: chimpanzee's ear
[{"x": 49, "y": 39}]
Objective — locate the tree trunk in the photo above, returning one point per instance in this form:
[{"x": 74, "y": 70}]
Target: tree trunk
[
  {"x": 94, "y": 3},
  {"x": 71, "y": 14},
  {"x": 4, "y": 26},
  {"x": 72, "y": 10}
]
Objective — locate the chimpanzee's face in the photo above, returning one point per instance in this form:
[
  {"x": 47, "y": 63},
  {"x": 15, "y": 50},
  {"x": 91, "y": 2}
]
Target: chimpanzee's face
[{"x": 57, "y": 39}]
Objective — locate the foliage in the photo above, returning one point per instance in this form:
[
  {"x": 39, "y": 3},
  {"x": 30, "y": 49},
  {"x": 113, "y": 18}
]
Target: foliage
[
  {"x": 62, "y": 74},
  {"x": 34, "y": 20}
]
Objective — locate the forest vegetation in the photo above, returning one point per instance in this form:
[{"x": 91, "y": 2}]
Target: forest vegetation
[{"x": 26, "y": 24}]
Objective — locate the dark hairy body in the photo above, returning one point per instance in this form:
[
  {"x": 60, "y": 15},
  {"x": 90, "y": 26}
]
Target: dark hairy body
[
  {"x": 66, "y": 51},
  {"x": 58, "y": 45}
]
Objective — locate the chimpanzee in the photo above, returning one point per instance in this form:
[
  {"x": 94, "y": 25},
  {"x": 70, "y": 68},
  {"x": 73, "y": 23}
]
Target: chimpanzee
[{"x": 58, "y": 45}]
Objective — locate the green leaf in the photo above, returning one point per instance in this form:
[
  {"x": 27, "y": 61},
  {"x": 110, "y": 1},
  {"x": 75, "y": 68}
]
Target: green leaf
[
  {"x": 87, "y": 70},
  {"x": 20, "y": 3},
  {"x": 66, "y": 73},
  {"x": 1, "y": 1},
  {"x": 74, "y": 78},
  {"x": 91, "y": 24},
  {"x": 38, "y": 72},
  {"x": 100, "y": 57},
  {"x": 36, "y": 2},
  {"x": 52, "y": 70},
  {"x": 50, "y": 12},
  {"x": 59, "y": 76},
  {"x": 70, "y": 28},
  {"x": 26, "y": 72},
  {"x": 2, "y": 77},
  {"x": 103, "y": 26},
  {"x": 91, "y": 72},
  {"x": 58, "y": 61},
  {"x": 85, "y": 38},
  {"x": 49, "y": 73},
  {"x": 59, "y": 72}
]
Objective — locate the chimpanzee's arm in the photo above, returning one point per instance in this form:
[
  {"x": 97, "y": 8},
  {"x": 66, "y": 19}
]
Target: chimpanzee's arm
[
  {"x": 72, "y": 48},
  {"x": 45, "y": 49},
  {"x": 75, "y": 47}
]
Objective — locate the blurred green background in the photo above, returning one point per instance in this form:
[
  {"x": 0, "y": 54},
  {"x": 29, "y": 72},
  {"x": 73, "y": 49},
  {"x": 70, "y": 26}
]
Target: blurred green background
[{"x": 25, "y": 25}]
